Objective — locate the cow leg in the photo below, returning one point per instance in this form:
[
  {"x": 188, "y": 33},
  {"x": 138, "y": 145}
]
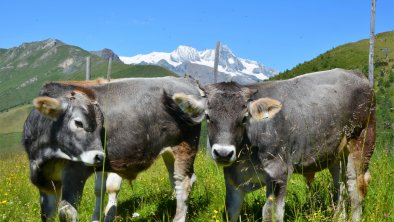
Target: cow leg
[
  {"x": 185, "y": 153},
  {"x": 99, "y": 191},
  {"x": 335, "y": 172},
  {"x": 113, "y": 187},
  {"x": 73, "y": 179},
  {"x": 234, "y": 200},
  {"x": 276, "y": 181},
  {"x": 338, "y": 172},
  {"x": 48, "y": 203},
  {"x": 352, "y": 173},
  {"x": 169, "y": 161},
  {"x": 360, "y": 152},
  {"x": 273, "y": 209}
]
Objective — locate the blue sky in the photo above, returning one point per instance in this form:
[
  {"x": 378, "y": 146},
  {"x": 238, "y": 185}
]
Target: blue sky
[{"x": 279, "y": 34}]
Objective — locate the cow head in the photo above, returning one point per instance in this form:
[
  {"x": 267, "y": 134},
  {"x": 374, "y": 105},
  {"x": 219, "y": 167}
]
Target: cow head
[
  {"x": 74, "y": 129},
  {"x": 229, "y": 111}
]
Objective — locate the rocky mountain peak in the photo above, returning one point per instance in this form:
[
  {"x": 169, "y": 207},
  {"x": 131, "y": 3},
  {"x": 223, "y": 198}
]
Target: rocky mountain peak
[
  {"x": 106, "y": 54},
  {"x": 184, "y": 54}
]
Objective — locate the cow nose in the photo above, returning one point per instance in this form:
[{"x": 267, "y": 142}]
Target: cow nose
[
  {"x": 92, "y": 157},
  {"x": 223, "y": 154}
]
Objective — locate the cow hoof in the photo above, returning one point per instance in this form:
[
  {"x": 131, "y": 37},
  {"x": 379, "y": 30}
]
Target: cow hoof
[{"x": 67, "y": 213}]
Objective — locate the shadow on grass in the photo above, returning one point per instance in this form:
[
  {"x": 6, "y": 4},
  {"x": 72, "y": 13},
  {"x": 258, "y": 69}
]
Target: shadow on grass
[
  {"x": 165, "y": 207},
  {"x": 315, "y": 206}
]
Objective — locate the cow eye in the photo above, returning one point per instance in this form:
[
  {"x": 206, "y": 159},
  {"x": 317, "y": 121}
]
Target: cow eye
[{"x": 78, "y": 124}]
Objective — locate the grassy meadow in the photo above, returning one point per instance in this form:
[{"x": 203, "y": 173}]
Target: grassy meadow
[{"x": 152, "y": 197}]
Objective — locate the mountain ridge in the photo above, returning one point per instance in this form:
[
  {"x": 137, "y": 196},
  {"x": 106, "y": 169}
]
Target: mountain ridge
[
  {"x": 25, "y": 68},
  {"x": 184, "y": 60}
]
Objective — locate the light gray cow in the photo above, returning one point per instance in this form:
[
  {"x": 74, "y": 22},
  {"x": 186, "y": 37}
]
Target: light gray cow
[
  {"x": 66, "y": 132},
  {"x": 263, "y": 133}
]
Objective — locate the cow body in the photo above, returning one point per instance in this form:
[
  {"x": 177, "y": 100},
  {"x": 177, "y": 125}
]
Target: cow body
[
  {"x": 263, "y": 133},
  {"x": 140, "y": 121}
]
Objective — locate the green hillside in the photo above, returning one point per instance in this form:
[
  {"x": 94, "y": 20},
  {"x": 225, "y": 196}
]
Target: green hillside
[
  {"x": 12, "y": 120},
  {"x": 350, "y": 56},
  {"x": 355, "y": 56},
  {"x": 24, "y": 69},
  {"x": 11, "y": 125}
]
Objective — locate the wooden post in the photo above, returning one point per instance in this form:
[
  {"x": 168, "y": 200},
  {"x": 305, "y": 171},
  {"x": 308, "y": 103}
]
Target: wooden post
[
  {"x": 109, "y": 68},
  {"x": 216, "y": 63},
  {"x": 371, "y": 46},
  {"x": 215, "y": 74},
  {"x": 88, "y": 68}
]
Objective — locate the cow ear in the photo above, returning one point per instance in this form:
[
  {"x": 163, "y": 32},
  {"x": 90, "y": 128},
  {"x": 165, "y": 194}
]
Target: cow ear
[
  {"x": 190, "y": 105},
  {"x": 264, "y": 108},
  {"x": 48, "y": 106}
]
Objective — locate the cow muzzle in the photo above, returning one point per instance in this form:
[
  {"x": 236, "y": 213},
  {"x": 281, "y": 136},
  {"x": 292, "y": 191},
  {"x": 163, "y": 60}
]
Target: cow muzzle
[
  {"x": 92, "y": 158},
  {"x": 223, "y": 154}
]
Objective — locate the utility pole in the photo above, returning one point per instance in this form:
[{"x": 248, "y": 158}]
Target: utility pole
[
  {"x": 215, "y": 73},
  {"x": 88, "y": 68},
  {"x": 109, "y": 68},
  {"x": 371, "y": 46},
  {"x": 216, "y": 63}
]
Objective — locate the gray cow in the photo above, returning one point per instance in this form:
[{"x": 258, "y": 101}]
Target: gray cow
[
  {"x": 263, "y": 133},
  {"x": 65, "y": 133}
]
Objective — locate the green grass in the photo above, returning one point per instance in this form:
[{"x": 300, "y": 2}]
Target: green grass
[
  {"x": 152, "y": 197},
  {"x": 10, "y": 144}
]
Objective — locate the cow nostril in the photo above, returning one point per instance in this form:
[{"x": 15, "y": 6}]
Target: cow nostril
[
  {"x": 230, "y": 154},
  {"x": 216, "y": 153},
  {"x": 98, "y": 158}
]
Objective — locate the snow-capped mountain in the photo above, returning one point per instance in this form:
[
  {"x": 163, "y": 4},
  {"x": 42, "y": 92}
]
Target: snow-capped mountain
[{"x": 199, "y": 64}]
